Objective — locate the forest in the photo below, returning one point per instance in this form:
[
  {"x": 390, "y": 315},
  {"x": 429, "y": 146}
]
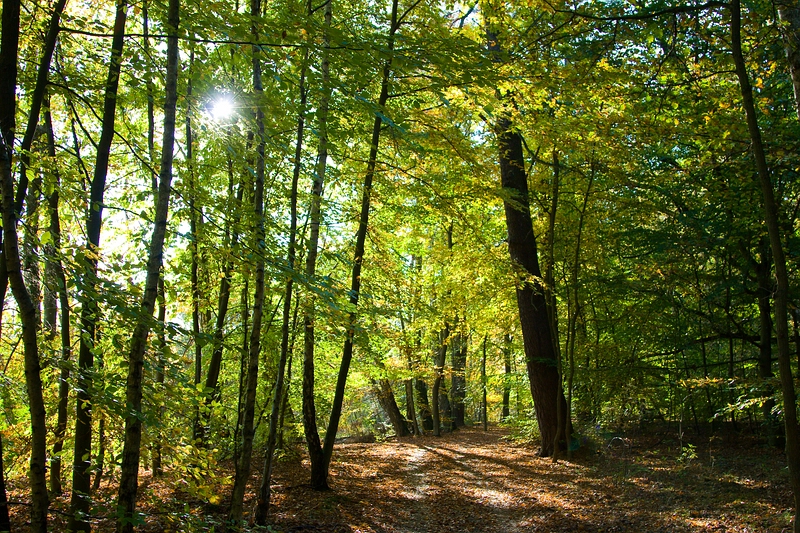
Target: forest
[{"x": 237, "y": 235}]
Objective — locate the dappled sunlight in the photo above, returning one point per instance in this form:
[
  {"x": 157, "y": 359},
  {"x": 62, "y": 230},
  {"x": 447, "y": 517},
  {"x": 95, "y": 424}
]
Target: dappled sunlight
[{"x": 471, "y": 481}]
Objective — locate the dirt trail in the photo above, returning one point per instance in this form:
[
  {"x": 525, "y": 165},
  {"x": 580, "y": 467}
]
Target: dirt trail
[{"x": 475, "y": 482}]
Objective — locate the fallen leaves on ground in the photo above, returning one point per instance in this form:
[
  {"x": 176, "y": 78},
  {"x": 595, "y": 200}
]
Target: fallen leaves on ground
[{"x": 471, "y": 481}]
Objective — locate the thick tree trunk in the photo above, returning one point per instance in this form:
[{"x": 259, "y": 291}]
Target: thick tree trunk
[
  {"x": 779, "y": 260},
  {"x": 81, "y": 481},
  {"x": 249, "y": 400},
  {"x": 129, "y": 475},
  {"x": 425, "y": 412},
  {"x": 531, "y": 301},
  {"x": 385, "y": 394}
]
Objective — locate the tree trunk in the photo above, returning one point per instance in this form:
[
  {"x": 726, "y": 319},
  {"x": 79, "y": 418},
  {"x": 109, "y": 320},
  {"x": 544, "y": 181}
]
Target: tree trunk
[
  {"x": 506, "y": 378},
  {"x": 531, "y": 302},
  {"x": 5, "y": 521},
  {"x": 33, "y": 380},
  {"x": 66, "y": 343},
  {"x": 789, "y": 12},
  {"x": 355, "y": 280},
  {"x": 129, "y": 474},
  {"x": 484, "y": 411},
  {"x": 248, "y": 409},
  {"x": 425, "y": 412},
  {"x": 779, "y": 259},
  {"x": 458, "y": 380},
  {"x": 81, "y": 486},
  {"x": 264, "y": 493},
  {"x": 411, "y": 412},
  {"x": 438, "y": 373},
  {"x": 385, "y": 394},
  {"x": 319, "y": 477}
]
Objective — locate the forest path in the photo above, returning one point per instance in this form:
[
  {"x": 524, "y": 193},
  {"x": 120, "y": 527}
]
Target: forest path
[{"x": 472, "y": 481}]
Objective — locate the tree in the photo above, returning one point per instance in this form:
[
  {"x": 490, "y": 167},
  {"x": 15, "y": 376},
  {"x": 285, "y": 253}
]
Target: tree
[
  {"x": 129, "y": 475},
  {"x": 771, "y": 217}
]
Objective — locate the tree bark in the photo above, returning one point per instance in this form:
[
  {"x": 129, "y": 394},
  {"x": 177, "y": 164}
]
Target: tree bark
[
  {"x": 781, "y": 294},
  {"x": 320, "y": 470},
  {"x": 81, "y": 486},
  {"x": 425, "y": 412},
  {"x": 262, "y": 505},
  {"x": 319, "y": 477},
  {"x": 248, "y": 410},
  {"x": 789, "y": 13},
  {"x": 484, "y": 410},
  {"x": 438, "y": 373},
  {"x": 458, "y": 380},
  {"x": 60, "y": 280},
  {"x": 537, "y": 336},
  {"x": 129, "y": 475},
  {"x": 385, "y": 394},
  {"x": 506, "y": 378},
  {"x": 5, "y": 521},
  {"x": 33, "y": 380}
]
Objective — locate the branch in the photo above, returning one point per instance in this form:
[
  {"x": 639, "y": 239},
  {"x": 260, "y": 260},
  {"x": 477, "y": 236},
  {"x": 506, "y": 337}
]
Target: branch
[{"x": 646, "y": 16}]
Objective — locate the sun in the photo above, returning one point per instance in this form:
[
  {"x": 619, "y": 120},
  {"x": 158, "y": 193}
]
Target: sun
[{"x": 222, "y": 107}]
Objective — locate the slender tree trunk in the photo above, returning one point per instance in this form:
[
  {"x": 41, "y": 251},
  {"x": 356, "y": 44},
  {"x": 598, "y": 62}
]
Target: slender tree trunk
[
  {"x": 262, "y": 505},
  {"x": 361, "y": 235},
  {"x": 129, "y": 475},
  {"x": 779, "y": 259},
  {"x": 575, "y": 306},
  {"x": 458, "y": 381},
  {"x": 411, "y": 412},
  {"x": 319, "y": 474},
  {"x": 248, "y": 410},
  {"x": 507, "y": 378},
  {"x": 438, "y": 373},
  {"x": 63, "y": 300},
  {"x": 5, "y": 521},
  {"x": 484, "y": 411},
  {"x": 90, "y": 309},
  {"x": 789, "y": 12},
  {"x": 101, "y": 447}
]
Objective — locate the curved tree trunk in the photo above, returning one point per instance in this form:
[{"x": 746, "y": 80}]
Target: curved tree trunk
[
  {"x": 779, "y": 259},
  {"x": 385, "y": 394}
]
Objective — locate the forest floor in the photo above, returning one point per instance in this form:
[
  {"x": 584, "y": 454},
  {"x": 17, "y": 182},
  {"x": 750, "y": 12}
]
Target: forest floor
[{"x": 472, "y": 481}]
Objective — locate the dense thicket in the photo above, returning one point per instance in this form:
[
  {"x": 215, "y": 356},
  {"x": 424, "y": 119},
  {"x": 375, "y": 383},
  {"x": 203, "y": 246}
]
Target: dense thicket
[{"x": 345, "y": 185}]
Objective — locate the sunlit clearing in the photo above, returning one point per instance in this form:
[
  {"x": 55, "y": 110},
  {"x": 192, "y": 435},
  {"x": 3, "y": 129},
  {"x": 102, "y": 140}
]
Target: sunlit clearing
[{"x": 222, "y": 108}]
